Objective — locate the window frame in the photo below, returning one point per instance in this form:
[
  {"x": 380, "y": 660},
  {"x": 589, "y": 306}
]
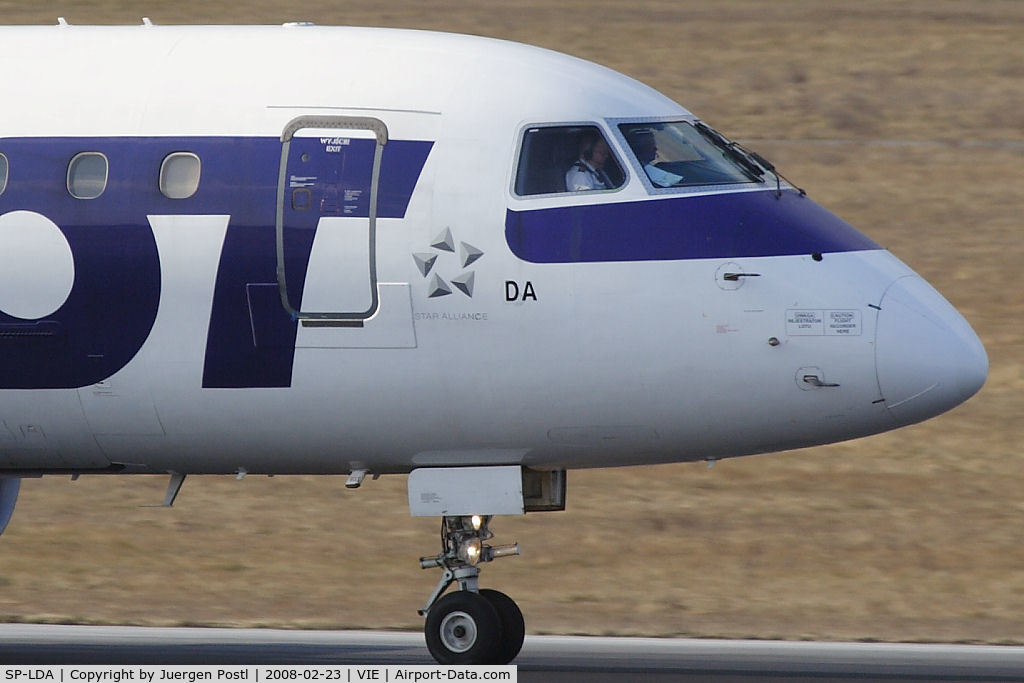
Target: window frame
[
  {"x": 106, "y": 174},
  {"x": 634, "y": 163},
  {"x": 163, "y": 167},
  {"x": 5, "y": 178},
  {"x": 609, "y": 138}
]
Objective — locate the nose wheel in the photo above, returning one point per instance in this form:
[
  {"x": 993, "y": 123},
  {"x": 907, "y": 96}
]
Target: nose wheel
[
  {"x": 513, "y": 626},
  {"x": 470, "y": 625}
]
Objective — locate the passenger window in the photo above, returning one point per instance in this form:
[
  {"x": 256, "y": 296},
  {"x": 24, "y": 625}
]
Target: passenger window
[
  {"x": 179, "y": 175},
  {"x": 3, "y": 173},
  {"x": 566, "y": 159},
  {"x": 87, "y": 175}
]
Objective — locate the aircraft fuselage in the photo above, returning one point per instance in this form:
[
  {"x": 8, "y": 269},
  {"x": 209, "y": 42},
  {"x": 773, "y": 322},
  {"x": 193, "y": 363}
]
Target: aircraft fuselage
[{"x": 266, "y": 323}]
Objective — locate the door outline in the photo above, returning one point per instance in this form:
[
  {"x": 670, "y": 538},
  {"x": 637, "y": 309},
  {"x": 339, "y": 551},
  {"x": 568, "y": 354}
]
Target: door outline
[{"x": 380, "y": 131}]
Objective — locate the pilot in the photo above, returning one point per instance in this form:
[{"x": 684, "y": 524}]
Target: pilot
[
  {"x": 587, "y": 172},
  {"x": 646, "y": 149}
]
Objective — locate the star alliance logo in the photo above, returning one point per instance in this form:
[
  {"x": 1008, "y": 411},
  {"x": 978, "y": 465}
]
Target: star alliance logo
[{"x": 464, "y": 281}]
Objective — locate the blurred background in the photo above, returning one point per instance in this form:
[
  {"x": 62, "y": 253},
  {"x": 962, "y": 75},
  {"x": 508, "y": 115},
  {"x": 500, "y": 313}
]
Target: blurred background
[{"x": 906, "y": 118}]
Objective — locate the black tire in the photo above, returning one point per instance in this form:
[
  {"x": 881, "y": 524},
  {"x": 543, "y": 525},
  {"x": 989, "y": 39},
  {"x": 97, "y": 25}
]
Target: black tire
[
  {"x": 513, "y": 627},
  {"x": 463, "y": 628}
]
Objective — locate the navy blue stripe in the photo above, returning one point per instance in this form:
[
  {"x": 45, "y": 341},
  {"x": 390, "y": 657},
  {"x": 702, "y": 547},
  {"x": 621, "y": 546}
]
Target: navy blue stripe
[
  {"x": 110, "y": 312},
  {"x": 746, "y": 224},
  {"x": 239, "y": 177}
]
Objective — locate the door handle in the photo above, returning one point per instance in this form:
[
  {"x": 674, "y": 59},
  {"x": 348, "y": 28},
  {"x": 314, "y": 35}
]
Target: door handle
[{"x": 815, "y": 381}]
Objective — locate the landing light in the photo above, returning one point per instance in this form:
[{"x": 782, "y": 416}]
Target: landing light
[
  {"x": 476, "y": 521},
  {"x": 470, "y": 551}
]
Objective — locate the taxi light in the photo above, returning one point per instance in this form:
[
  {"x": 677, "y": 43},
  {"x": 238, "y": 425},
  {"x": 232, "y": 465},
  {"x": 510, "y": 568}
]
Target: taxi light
[{"x": 470, "y": 551}]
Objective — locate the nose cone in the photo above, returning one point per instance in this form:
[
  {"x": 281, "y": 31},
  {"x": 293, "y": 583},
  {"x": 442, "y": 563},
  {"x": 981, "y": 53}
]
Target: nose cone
[{"x": 927, "y": 356}]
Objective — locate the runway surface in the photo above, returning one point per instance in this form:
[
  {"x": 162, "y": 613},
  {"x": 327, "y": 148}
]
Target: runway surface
[{"x": 544, "y": 658}]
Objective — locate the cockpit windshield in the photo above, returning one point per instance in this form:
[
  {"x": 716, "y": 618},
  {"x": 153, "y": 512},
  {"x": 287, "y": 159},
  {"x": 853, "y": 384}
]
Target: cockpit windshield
[{"x": 683, "y": 154}]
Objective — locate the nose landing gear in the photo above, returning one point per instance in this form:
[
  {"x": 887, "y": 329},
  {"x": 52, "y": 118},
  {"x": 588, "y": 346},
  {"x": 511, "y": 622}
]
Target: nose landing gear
[{"x": 470, "y": 625}]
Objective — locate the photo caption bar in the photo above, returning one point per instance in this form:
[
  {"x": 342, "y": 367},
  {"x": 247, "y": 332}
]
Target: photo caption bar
[{"x": 255, "y": 674}]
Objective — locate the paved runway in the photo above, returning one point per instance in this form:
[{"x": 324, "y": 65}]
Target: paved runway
[{"x": 544, "y": 658}]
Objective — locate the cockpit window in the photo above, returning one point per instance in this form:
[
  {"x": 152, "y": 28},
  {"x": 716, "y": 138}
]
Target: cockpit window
[
  {"x": 3, "y": 173},
  {"x": 681, "y": 154},
  {"x": 566, "y": 159}
]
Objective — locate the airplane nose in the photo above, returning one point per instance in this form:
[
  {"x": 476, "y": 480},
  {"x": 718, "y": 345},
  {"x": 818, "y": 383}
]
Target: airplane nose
[{"x": 927, "y": 357}]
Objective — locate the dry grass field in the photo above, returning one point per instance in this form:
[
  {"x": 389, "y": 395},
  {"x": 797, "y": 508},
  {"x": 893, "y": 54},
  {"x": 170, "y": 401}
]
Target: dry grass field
[{"x": 904, "y": 117}]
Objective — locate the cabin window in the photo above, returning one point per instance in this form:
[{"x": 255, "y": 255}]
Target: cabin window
[
  {"x": 3, "y": 173},
  {"x": 87, "y": 175},
  {"x": 681, "y": 154},
  {"x": 566, "y": 159},
  {"x": 179, "y": 175}
]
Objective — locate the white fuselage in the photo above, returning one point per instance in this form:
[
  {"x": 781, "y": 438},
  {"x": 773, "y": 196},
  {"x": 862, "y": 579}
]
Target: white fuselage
[{"x": 550, "y": 351}]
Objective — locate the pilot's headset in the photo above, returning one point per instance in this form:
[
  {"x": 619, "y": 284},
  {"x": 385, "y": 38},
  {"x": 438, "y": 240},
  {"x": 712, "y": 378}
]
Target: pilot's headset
[
  {"x": 588, "y": 138},
  {"x": 641, "y": 140}
]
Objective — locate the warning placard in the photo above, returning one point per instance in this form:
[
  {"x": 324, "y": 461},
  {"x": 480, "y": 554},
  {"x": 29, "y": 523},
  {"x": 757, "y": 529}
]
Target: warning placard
[
  {"x": 823, "y": 323},
  {"x": 842, "y": 323}
]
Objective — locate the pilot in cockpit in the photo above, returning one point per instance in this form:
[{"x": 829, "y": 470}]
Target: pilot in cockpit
[
  {"x": 646, "y": 150},
  {"x": 587, "y": 172}
]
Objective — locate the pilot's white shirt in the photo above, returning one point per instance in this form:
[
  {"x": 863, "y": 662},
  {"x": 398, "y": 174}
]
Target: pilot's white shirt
[
  {"x": 583, "y": 176},
  {"x": 660, "y": 178}
]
